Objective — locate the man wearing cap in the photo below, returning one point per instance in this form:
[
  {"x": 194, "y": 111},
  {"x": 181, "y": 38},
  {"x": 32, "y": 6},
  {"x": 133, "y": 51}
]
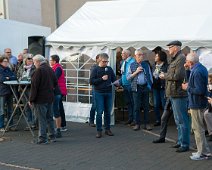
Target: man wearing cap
[{"x": 174, "y": 77}]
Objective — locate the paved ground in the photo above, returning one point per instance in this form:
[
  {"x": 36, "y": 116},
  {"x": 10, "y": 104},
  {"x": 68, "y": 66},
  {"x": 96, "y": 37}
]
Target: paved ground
[{"x": 79, "y": 149}]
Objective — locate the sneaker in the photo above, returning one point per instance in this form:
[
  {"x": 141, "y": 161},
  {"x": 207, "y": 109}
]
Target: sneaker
[
  {"x": 41, "y": 141},
  {"x": 197, "y": 153},
  {"x": 2, "y": 129},
  {"x": 52, "y": 138},
  {"x": 198, "y": 157},
  {"x": 58, "y": 133},
  {"x": 92, "y": 125},
  {"x": 63, "y": 129},
  {"x": 132, "y": 124},
  {"x": 13, "y": 129}
]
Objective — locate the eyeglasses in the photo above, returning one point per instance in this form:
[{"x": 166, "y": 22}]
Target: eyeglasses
[
  {"x": 8, "y": 52},
  {"x": 5, "y": 61},
  {"x": 105, "y": 61},
  {"x": 171, "y": 46},
  {"x": 140, "y": 54}
]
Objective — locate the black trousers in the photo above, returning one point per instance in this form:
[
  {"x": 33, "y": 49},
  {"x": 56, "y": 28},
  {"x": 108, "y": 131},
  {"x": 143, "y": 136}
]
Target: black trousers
[{"x": 167, "y": 113}]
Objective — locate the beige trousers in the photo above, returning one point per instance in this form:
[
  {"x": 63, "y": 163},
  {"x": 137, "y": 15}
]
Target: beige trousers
[{"x": 199, "y": 131}]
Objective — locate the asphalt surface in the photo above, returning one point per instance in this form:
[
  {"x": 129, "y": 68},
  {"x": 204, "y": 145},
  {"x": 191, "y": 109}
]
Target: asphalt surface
[{"x": 79, "y": 149}]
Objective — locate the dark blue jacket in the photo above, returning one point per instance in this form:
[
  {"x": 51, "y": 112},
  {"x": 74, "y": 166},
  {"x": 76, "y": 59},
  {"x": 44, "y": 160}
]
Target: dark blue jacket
[
  {"x": 100, "y": 85},
  {"x": 5, "y": 72},
  {"x": 197, "y": 87}
]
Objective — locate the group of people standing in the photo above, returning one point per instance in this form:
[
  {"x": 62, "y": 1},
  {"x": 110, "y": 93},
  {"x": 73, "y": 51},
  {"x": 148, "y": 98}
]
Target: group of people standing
[
  {"x": 45, "y": 92},
  {"x": 181, "y": 84}
]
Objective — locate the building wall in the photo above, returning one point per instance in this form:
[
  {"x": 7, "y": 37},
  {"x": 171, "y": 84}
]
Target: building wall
[
  {"x": 28, "y": 11},
  {"x": 65, "y": 8},
  {"x": 50, "y": 13}
]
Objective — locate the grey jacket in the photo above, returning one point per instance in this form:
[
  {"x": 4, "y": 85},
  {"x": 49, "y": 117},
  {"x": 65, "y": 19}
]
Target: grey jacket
[{"x": 175, "y": 76}]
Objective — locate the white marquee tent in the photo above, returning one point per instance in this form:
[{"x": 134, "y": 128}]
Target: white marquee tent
[{"x": 103, "y": 26}]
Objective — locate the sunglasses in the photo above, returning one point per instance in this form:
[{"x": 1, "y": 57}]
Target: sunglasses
[{"x": 7, "y": 52}]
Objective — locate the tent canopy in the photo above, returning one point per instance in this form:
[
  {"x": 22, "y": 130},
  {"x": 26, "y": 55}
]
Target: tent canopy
[{"x": 137, "y": 23}]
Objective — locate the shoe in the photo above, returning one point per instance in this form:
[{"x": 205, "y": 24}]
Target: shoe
[
  {"x": 206, "y": 133},
  {"x": 109, "y": 133},
  {"x": 157, "y": 124},
  {"x": 41, "y": 141},
  {"x": 210, "y": 138},
  {"x": 99, "y": 134},
  {"x": 175, "y": 146},
  {"x": 52, "y": 138},
  {"x": 92, "y": 125},
  {"x": 147, "y": 127},
  {"x": 128, "y": 122},
  {"x": 197, "y": 153},
  {"x": 136, "y": 128},
  {"x": 63, "y": 129},
  {"x": 160, "y": 140},
  {"x": 182, "y": 149},
  {"x": 132, "y": 123},
  {"x": 58, "y": 133},
  {"x": 13, "y": 129},
  {"x": 2, "y": 129},
  {"x": 198, "y": 157}
]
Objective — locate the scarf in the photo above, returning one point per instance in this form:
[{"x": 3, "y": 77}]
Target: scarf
[{"x": 157, "y": 70}]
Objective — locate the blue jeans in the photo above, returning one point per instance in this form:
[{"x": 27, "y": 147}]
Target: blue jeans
[
  {"x": 8, "y": 100},
  {"x": 56, "y": 106},
  {"x": 141, "y": 100},
  {"x": 44, "y": 113},
  {"x": 128, "y": 98},
  {"x": 159, "y": 98},
  {"x": 93, "y": 108},
  {"x": 180, "y": 111},
  {"x": 103, "y": 104}
]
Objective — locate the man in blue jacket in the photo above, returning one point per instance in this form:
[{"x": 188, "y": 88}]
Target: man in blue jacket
[
  {"x": 197, "y": 90},
  {"x": 126, "y": 84},
  {"x": 141, "y": 82}
]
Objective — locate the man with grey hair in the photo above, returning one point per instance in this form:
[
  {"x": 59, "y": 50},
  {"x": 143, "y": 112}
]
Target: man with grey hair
[
  {"x": 12, "y": 59},
  {"x": 141, "y": 82},
  {"x": 128, "y": 97},
  {"x": 43, "y": 83},
  {"x": 197, "y": 90}
]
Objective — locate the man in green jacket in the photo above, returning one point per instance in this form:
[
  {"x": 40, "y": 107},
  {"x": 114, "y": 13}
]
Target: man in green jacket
[{"x": 174, "y": 77}]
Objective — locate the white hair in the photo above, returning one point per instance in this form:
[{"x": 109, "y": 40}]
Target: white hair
[
  {"x": 139, "y": 50},
  {"x": 39, "y": 57},
  {"x": 193, "y": 57},
  {"x": 127, "y": 51}
]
